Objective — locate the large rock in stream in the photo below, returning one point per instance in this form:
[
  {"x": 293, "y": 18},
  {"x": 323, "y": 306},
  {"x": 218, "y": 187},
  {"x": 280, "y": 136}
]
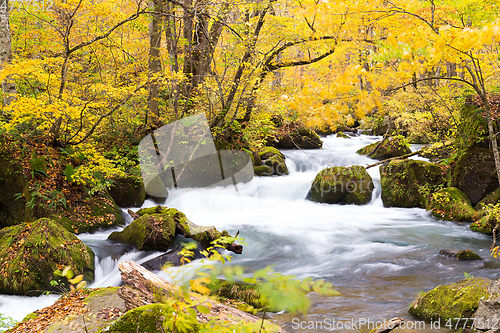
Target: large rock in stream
[
  {"x": 31, "y": 252},
  {"x": 272, "y": 162},
  {"x": 451, "y": 204},
  {"x": 475, "y": 174},
  {"x": 409, "y": 183},
  {"x": 392, "y": 147},
  {"x": 296, "y": 137},
  {"x": 342, "y": 185},
  {"x": 451, "y": 301},
  {"x": 128, "y": 191}
]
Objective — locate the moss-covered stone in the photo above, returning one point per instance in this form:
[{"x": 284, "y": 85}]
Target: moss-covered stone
[
  {"x": 448, "y": 302},
  {"x": 296, "y": 137},
  {"x": 342, "y": 185},
  {"x": 152, "y": 210},
  {"x": 438, "y": 151},
  {"x": 14, "y": 190},
  {"x": 475, "y": 174},
  {"x": 468, "y": 255},
  {"x": 491, "y": 199},
  {"x": 152, "y": 318},
  {"x": 31, "y": 252},
  {"x": 273, "y": 162},
  {"x": 487, "y": 220},
  {"x": 149, "y": 232},
  {"x": 95, "y": 213},
  {"x": 238, "y": 291},
  {"x": 128, "y": 191},
  {"x": 392, "y": 147},
  {"x": 451, "y": 204},
  {"x": 409, "y": 183},
  {"x": 343, "y": 135}
]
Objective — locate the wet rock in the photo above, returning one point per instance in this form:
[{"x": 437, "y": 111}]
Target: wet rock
[
  {"x": 273, "y": 162},
  {"x": 475, "y": 174},
  {"x": 173, "y": 258},
  {"x": 487, "y": 316},
  {"x": 451, "y": 301},
  {"x": 342, "y": 185},
  {"x": 491, "y": 199},
  {"x": 343, "y": 135},
  {"x": 487, "y": 221},
  {"x": 451, "y": 204},
  {"x": 461, "y": 255},
  {"x": 409, "y": 183},
  {"x": 31, "y": 252},
  {"x": 392, "y": 147},
  {"x": 148, "y": 233},
  {"x": 298, "y": 137},
  {"x": 382, "y": 125},
  {"x": 128, "y": 191}
]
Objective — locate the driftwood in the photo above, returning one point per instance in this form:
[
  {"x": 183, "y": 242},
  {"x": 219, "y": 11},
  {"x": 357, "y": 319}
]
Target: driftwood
[
  {"x": 389, "y": 325},
  {"x": 393, "y": 158},
  {"x": 134, "y": 215},
  {"x": 137, "y": 276}
]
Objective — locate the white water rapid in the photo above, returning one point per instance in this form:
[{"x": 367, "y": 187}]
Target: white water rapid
[{"x": 378, "y": 258}]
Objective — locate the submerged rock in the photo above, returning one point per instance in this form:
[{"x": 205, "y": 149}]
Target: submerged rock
[
  {"x": 461, "y": 255},
  {"x": 451, "y": 301},
  {"x": 31, "y": 252},
  {"x": 128, "y": 191},
  {"x": 148, "y": 233},
  {"x": 392, "y": 147},
  {"x": 451, "y": 204},
  {"x": 342, "y": 185},
  {"x": 475, "y": 174},
  {"x": 409, "y": 183}
]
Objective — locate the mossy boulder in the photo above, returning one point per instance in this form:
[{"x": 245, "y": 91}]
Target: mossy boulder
[
  {"x": 128, "y": 191},
  {"x": 461, "y": 255},
  {"x": 342, "y": 135},
  {"x": 392, "y": 147},
  {"x": 451, "y": 204},
  {"x": 91, "y": 215},
  {"x": 451, "y": 301},
  {"x": 381, "y": 125},
  {"x": 487, "y": 220},
  {"x": 240, "y": 291},
  {"x": 273, "y": 162},
  {"x": 409, "y": 183},
  {"x": 31, "y": 252},
  {"x": 342, "y": 185},
  {"x": 438, "y": 151},
  {"x": 475, "y": 174},
  {"x": 491, "y": 199},
  {"x": 153, "y": 318},
  {"x": 14, "y": 190},
  {"x": 148, "y": 233},
  {"x": 296, "y": 137},
  {"x": 487, "y": 315}
]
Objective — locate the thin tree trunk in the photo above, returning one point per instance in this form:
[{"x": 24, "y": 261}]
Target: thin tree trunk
[
  {"x": 8, "y": 87},
  {"x": 154, "y": 56}
]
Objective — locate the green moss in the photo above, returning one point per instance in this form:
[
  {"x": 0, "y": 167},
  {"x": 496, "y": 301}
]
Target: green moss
[
  {"x": 451, "y": 204},
  {"x": 343, "y": 135},
  {"x": 392, "y": 147},
  {"x": 342, "y": 185},
  {"x": 267, "y": 152},
  {"x": 263, "y": 170},
  {"x": 491, "y": 199},
  {"x": 30, "y": 316},
  {"x": 448, "y": 302},
  {"x": 31, "y": 252},
  {"x": 149, "y": 232},
  {"x": 409, "y": 183},
  {"x": 101, "y": 292},
  {"x": 238, "y": 290},
  {"x": 468, "y": 255},
  {"x": 485, "y": 224},
  {"x": 152, "y": 210},
  {"x": 152, "y": 318}
]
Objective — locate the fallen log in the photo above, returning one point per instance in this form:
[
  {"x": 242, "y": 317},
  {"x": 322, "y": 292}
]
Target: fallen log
[
  {"x": 138, "y": 277},
  {"x": 393, "y": 158}
]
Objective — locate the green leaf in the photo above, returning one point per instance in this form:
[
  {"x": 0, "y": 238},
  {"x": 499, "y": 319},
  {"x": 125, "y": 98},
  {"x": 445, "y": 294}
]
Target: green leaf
[{"x": 203, "y": 309}]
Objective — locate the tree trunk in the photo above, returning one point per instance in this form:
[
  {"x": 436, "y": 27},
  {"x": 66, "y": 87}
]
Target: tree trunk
[
  {"x": 138, "y": 277},
  {"x": 154, "y": 57},
  {"x": 8, "y": 86}
]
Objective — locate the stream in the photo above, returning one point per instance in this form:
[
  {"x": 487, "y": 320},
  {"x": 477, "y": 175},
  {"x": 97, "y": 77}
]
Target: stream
[{"x": 378, "y": 258}]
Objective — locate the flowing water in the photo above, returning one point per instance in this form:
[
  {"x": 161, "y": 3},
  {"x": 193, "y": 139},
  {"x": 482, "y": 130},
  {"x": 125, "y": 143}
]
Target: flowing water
[{"x": 378, "y": 258}]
